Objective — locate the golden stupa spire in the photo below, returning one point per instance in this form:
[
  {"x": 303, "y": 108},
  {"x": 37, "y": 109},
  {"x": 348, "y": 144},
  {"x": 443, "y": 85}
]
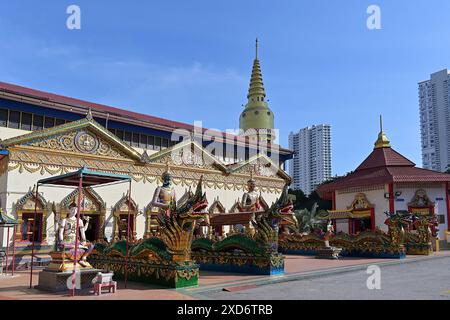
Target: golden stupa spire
[{"x": 382, "y": 141}]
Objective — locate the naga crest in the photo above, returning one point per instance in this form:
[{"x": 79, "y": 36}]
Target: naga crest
[
  {"x": 267, "y": 224},
  {"x": 178, "y": 228},
  {"x": 282, "y": 209}
]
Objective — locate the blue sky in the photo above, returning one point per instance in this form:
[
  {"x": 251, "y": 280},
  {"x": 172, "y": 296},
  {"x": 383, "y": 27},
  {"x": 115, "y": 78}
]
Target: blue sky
[{"x": 191, "y": 60}]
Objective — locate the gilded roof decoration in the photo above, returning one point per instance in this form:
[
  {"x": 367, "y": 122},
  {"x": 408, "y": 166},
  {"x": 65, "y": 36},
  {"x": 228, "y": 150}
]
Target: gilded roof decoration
[
  {"x": 66, "y": 148},
  {"x": 92, "y": 200}
]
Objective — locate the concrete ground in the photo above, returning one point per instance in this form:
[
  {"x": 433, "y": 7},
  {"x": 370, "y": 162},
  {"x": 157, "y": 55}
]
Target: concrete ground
[
  {"x": 424, "y": 280},
  {"x": 305, "y": 278}
]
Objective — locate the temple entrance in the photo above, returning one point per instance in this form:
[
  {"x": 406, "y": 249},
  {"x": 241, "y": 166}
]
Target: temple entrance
[
  {"x": 360, "y": 225},
  {"x": 92, "y": 232},
  {"x": 92, "y": 207},
  {"x": 120, "y": 213},
  {"x": 27, "y": 227},
  {"x": 25, "y": 209}
]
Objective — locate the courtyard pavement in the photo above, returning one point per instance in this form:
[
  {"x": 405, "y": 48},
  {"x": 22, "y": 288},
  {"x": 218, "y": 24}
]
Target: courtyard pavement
[{"x": 211, "y": 284}]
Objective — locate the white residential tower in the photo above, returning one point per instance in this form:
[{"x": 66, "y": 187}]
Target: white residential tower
[
  {"x": 435, "y": 121},
  {"x": 311, "y": 164}
]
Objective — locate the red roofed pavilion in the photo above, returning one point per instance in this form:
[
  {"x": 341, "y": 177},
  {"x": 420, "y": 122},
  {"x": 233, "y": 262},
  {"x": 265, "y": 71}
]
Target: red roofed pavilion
[{"x": 386, "y": 181}]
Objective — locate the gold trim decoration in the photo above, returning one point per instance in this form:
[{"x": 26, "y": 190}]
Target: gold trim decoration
[
  {"x": 66, "y": 148},
  {"x": 25, "y": 205},
  {"x": 121, "y": 208},
  {"x": 93, "y": 205}
]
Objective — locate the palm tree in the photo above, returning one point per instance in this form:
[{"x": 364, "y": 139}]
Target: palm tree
[{"x": 310, "y": 220}]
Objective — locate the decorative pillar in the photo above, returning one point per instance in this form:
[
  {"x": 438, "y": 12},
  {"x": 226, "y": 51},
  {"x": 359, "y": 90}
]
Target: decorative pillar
[
  {"x": 447, "y": 196},
  {"x": 391, "y": 198}
]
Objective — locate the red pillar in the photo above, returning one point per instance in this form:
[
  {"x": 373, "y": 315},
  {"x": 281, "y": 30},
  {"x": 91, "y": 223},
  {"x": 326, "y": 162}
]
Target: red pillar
[
  {"x": 333, "y": 201},
  {"x": 33, "y": 235},
  {"x": 7, "y": 250},
  {"x": 391, "y": 198},
  {"x": 75, "y": 261},
  {"x": 447, "y": 196},
  {"x": 14, "y": 250},
  {"x": 128, "y": 235},
  {"x": 333, "y": 207}
]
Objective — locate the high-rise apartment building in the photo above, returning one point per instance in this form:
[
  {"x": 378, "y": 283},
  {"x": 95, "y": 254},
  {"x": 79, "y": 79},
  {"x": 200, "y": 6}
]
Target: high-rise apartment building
[
  {"x": 311, "y": 164},
  {"x": 435, "y": 121}
]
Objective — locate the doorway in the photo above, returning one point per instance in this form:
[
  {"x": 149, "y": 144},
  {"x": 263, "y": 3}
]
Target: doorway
[
  {"x": 27, "y": 227},
  {"x": 92, "y": 232}
]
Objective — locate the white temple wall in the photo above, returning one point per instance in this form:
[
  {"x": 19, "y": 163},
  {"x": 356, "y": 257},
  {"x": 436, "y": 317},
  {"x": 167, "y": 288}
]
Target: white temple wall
[
  {"x": 17, "y": 184},
  {"x": 436, "y": 193},
  {"x": 375, "y": 197}
]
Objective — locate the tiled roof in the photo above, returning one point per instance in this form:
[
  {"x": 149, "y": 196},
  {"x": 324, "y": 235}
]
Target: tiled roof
[
  {"x": 383, "y": 165},
  {"x": 105, "y": 110},
  {"x": 383, "y": 157}
]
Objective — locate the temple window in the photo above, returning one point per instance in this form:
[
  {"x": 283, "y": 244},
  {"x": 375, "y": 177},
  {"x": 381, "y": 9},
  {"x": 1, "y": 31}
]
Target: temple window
[
  {"x": 157, "y": 145},
  {"x": 38, "y": 122},
  {"x": 26, "y": 121},
  {"x": 60, "y": 122},
  {"x": 127, "y": 138},
  {"x": 135, "y": 140},
  {"x": 165, "y": 143},
  {"x": 119, "y": 134},
  {"x": 3, "y": 117},
  {"x": 151, "y": 142},
  {"x": 49, "y": 122},
  {"x": 14, "y": 119},
  {"x": 143, "y": 141}
]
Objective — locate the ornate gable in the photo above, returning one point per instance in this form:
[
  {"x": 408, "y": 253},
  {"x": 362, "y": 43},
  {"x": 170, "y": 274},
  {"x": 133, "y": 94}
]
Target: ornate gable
[
  {"x": 360, "y": 203},
  {"x": 84, "y": 136},
  {"x": 122, "y": 205},
  {"x": 259, "y": 165},
  {"x": 28, "y": 201},
  {"x": 188, "y": 153},
  {"x": 216, "y": 207},
  {"x": 421, "y": 200},
  {"x": 91, "y": 200},
  {"x": 187, "y": 194},
  {"x": 236, "y": 208}
]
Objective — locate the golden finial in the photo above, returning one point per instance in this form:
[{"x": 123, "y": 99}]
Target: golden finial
[
  {"x": 252, "y": 168},
  {"x": 382, "y": 141},
  {"x": 167, "y": 166},
  {"x": 89, "y": 115}
]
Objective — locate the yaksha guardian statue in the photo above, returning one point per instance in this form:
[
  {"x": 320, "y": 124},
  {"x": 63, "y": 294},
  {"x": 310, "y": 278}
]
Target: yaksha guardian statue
[
  {"x": 67, "y": 234},
  {"x": 164, "y": 197}
]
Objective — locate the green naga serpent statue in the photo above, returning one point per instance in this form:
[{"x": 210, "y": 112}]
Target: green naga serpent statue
[
  {"x": 164, "y": 260},
  {"x": 177, "y": 228},
  {"x": 267, "y": 224}
]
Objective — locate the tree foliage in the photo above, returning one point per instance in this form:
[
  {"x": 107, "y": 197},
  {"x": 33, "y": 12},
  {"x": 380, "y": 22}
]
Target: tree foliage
[{"x": 309, "y": 220}]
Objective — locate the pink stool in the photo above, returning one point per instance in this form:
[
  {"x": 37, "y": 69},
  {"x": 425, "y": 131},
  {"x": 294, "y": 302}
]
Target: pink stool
[
  {"x": 108, "y": 285},
  {"x": 104, "y": 280}
]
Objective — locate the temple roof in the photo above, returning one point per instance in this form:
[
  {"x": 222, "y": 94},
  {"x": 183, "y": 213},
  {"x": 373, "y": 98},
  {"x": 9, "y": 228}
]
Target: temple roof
[
  {"x": 6, "y": 221},
  {"x": 78, "y": 106},
  {"x": 383, "y": 165},
  {"x": 384, "y": 157}
]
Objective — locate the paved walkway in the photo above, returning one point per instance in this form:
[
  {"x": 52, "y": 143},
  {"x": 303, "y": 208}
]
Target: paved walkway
[{"x": 297, "y": 267}]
